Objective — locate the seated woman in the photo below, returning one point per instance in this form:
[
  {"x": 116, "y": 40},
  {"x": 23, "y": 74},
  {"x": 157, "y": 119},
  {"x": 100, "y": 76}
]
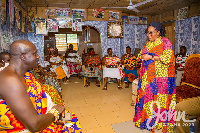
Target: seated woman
[
  {"x": 130, "y": 70},
  {"x": 56, "y": 64},
  {"x": 92, "y": 64},
  {"x": 180, "y": 64},
  {"x": 74, "y": 61},
  {"x": 112, "y": 69}
]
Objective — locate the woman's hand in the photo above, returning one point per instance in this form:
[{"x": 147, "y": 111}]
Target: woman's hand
[{"x": 146, "y": 57}]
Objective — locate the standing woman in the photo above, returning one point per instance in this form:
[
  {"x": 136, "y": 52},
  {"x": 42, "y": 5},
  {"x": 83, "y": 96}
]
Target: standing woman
[{"x": 155, "y": 103}]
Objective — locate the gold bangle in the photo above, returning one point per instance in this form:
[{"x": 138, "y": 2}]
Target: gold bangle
[{"x": 55, "y": 113}]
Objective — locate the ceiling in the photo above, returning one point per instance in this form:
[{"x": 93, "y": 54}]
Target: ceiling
[{"x": 151, "y": 8}]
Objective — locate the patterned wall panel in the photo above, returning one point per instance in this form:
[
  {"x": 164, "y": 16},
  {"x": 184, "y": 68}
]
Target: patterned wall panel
[
  {"x": 37, "y": 40},
  {"x": 187, "y": 33},
  {"x": 9, "y": 33}
]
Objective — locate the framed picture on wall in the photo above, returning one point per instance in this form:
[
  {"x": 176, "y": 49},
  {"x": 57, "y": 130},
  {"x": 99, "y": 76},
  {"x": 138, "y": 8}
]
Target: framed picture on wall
[{"x": 115, "y": 30}]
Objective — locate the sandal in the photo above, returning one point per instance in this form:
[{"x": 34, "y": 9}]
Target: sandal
[
  {"x": 98, "y": 84},
  {"x": 104, "y": 88},
  {"x": 86, "y": 84},
  {"x": 132, "y": 104},
  {"x": 119, "y": 87},
  {"x": 126, "y": 85}
]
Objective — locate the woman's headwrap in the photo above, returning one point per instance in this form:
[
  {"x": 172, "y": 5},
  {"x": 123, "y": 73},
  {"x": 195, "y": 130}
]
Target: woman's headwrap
[{"x": 156, "y": 25}]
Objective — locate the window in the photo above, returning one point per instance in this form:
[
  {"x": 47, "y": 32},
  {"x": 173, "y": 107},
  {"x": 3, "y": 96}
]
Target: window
[
  {"x": 72, "y": 39},
  {"x": 61, "y": 43}
]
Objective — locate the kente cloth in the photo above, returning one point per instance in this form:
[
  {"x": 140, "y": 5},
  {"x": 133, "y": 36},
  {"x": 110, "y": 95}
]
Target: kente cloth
[
  {"x": 93, "y": 71},
  {"x": 60, "y": 72},
  {"x": 156, "y": 93},
  {"x": 74, "y": 57},
  {"x": 38, "y": 96},
  {"x": 181, "y": 60},
  {"x": 52, "y": 82},
  {"x": 129, "y": 75},
  {"x": 74, "y": 68},
  {"x": 114, "y": 61},
  {"x": 74, "y": 63}
]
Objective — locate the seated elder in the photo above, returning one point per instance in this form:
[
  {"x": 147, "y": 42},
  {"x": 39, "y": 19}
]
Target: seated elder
[
  {"x": 92, "y": 67},
  {"x": 74, "y": 61},
  {"x": 112, "y": 69},
  {"x": 56, "y": 64},
  {"x": 130, "y": 69},
  {"x": 25, "y": 104}
]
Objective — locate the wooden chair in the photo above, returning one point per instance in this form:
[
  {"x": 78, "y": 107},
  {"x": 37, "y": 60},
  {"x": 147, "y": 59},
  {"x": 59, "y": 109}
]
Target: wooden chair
[
  {"x": 188, "y": 93},
  {"x": 190, "y": 79},
  {"x": 84, "y": 78}
]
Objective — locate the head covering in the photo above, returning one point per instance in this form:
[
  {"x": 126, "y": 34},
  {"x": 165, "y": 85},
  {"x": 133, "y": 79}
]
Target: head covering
[{"x": 156, "y": 25}]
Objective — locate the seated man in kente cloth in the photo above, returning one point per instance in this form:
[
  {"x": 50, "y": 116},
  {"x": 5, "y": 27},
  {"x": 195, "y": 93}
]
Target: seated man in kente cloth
[
  {"x": 112, "y": 68},
  {"x": 73, "y": 61},
  {"x": 25, "y": 104},
  {"x": 92, "y": 67}
]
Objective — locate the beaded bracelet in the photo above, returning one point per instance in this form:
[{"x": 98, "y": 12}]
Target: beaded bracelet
[{"x": 55, "y": 113}]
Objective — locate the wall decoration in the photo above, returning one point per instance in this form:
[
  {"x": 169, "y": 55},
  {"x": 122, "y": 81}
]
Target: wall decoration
[
  {"x": 134, "y": 34},
  {"x": 23, "y": 21},
  {"x": 124, "y": 19},
  {"x": 17, "y": 15},
  {"x": 29, "y": 26},
  {"x": 65, "y": 22},
  {"x": 98, "y": 13},
  {"x": 142, "y": 20},
  {"x": 50, "y": 12},
  {"x": 78, "y": 13},
  {"x": 187, "y": 33},
  {"x": 114, "y": 30},
  {"x": 113, "y": 15},
  {"x": 3, "y": 11},
  {"x": 77, "y": 25},
  {"x": 40, "y": 26},
  {"x": 133, "y": 19},
  {"x": 182, "y": 13},
  {"x": 63, "y": 12},
  {"x": 52, "y": 25},
  {"x": 11, "y": 11}
]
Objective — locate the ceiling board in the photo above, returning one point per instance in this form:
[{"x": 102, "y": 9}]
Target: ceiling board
[{"x": 151, "y": 8}]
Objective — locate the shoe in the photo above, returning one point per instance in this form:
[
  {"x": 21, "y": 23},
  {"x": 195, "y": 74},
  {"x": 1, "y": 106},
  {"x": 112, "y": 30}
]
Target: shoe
[
  {"x": 98, "y": 84},
  {"x": 132, "y": 104},
  {"x": 126, "y": 85},
  {"x": 119, "y": 87},
  {"x": 104, "y": 88}
]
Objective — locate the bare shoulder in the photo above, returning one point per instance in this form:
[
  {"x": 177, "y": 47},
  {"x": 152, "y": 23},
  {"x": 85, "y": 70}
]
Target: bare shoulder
[{"x": 10, "y": 82}]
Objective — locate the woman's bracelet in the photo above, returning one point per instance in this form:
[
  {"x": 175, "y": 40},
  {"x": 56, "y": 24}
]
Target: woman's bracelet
[{"x": 55, "y": 113}]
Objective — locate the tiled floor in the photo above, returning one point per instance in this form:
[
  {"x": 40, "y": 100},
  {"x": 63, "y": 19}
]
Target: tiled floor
[{"x": 98, "y": 109}]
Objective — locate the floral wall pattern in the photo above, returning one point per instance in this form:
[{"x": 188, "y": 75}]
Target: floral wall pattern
[
  {"x": 133, "y": 36},
  {"x": 187, "y": 33}
]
